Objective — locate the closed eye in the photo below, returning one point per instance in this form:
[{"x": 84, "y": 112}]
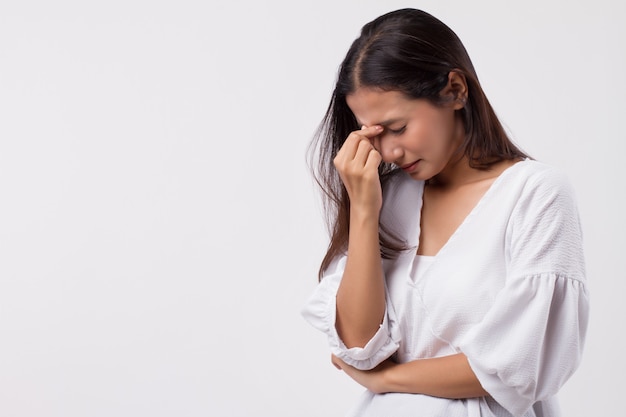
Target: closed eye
[{"x": 397, "y": 131}]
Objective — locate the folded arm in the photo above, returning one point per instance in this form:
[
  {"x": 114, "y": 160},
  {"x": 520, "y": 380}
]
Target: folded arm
[{"x": 446, "y": 377}]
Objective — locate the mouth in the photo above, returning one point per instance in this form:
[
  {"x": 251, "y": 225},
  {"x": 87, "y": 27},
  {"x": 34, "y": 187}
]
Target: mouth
[{"x": 410, "y": 167}]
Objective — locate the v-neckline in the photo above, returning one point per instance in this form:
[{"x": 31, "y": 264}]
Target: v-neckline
[{"x": 467, "y": 218}]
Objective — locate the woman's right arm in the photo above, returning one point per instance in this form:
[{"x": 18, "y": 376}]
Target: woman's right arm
[{"x": 361, "y": 294}]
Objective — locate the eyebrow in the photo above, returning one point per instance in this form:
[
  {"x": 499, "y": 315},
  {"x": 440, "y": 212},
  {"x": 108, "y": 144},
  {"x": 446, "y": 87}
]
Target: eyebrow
[{"x": 385, "y": 123}]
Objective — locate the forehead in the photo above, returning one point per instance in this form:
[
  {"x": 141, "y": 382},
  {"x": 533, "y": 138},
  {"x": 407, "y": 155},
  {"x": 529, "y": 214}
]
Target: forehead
[{"x": 373, "y": 106}]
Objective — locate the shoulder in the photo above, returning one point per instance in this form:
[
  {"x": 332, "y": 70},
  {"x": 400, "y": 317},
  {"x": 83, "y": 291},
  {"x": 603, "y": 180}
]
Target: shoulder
[
  {"x": 544, "y": 233},
  {"x": 536, "y": 172},
  {"x": 544, "y": 202},
  {"x": 537, "y": 180}
]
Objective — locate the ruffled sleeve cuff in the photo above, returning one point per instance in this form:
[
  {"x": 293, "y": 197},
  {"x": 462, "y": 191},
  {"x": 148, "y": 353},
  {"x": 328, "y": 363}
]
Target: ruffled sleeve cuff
[{"x": 320, "y": 312}]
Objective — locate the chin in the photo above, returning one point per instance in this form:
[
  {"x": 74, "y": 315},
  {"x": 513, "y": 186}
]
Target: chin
[{"x": 417, "y": 176}]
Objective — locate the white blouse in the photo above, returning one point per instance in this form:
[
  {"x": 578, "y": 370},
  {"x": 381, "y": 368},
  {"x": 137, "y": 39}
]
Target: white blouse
[{"x": 507, "y": 290}]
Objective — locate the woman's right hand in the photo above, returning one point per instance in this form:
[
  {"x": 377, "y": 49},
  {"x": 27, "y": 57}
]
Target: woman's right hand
[
  {"x": 357, "y": 163},
  {"x": 361, "y": 293}
]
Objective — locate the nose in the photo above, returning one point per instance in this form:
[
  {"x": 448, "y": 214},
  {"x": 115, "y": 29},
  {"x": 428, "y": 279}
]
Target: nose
[{"x": 388, "y": 147}]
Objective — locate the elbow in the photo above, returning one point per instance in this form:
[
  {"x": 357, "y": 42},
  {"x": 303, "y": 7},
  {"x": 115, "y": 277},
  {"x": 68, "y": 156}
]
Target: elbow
[{"x": 355, "y": 338}]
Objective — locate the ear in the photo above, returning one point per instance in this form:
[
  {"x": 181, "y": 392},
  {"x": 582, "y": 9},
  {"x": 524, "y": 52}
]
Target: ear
[{"x": 456, "y": 90}]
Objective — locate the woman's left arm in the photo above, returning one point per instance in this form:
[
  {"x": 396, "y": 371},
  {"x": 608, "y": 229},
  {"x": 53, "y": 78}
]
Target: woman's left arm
[{"x": 446, "y": 377}]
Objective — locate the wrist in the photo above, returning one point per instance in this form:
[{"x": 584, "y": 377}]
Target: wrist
[
  {"x": 364, "y": 215},
  {"x": 391, "y": 380},
  {"x": 387, "y": 378}
]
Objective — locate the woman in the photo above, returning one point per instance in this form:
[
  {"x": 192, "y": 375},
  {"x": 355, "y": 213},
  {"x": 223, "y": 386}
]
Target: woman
[{"x": 454, "y": 282}]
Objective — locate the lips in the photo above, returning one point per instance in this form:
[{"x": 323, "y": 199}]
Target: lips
[{"x": 410, "y": 167}]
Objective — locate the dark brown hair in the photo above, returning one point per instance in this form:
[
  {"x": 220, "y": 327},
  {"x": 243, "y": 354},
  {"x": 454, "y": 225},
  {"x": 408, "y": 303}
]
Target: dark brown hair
[{"x": 411, "y": 52}]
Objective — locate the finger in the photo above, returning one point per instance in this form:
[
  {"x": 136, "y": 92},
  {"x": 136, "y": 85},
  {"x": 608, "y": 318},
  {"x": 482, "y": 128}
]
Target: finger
[
  {"x": 363, "y": 151},
  {"x": 373, "y": 136},
  {"x": 375, "y": 141},
  {"x": 352, "y": 144},
  {"x": 374, "y": 158},
  {"x": 349, "y": 147},
  {"x": 353, "y": 139},
  {"x": 370, "y": 131},
  {"x": 353, "y": 153},
  {"x": 334, "y": 360}
]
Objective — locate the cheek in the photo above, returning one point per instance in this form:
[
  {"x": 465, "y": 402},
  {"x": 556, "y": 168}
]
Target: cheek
[
  {"x": 428, "y": 133},
  {"x": 432, "y": 129},
  {"x": 442, "y": 128}
]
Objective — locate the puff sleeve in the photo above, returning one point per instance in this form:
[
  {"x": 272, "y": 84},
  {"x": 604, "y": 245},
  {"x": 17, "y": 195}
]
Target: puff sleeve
[
  {"x": 531, "y": 339},
  {"x": 320, "y": 312}
]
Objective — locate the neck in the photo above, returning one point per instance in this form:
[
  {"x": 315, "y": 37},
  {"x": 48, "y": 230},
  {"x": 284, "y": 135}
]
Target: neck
[{"x": 457, "y": 172}]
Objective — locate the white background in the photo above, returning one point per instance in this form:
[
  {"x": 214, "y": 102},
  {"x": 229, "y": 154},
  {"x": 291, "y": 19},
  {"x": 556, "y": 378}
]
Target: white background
[{"x": 160, "y": 231}]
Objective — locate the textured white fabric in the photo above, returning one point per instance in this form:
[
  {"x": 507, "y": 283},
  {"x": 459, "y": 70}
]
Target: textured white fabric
[{"x": 507, "y": 290}]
